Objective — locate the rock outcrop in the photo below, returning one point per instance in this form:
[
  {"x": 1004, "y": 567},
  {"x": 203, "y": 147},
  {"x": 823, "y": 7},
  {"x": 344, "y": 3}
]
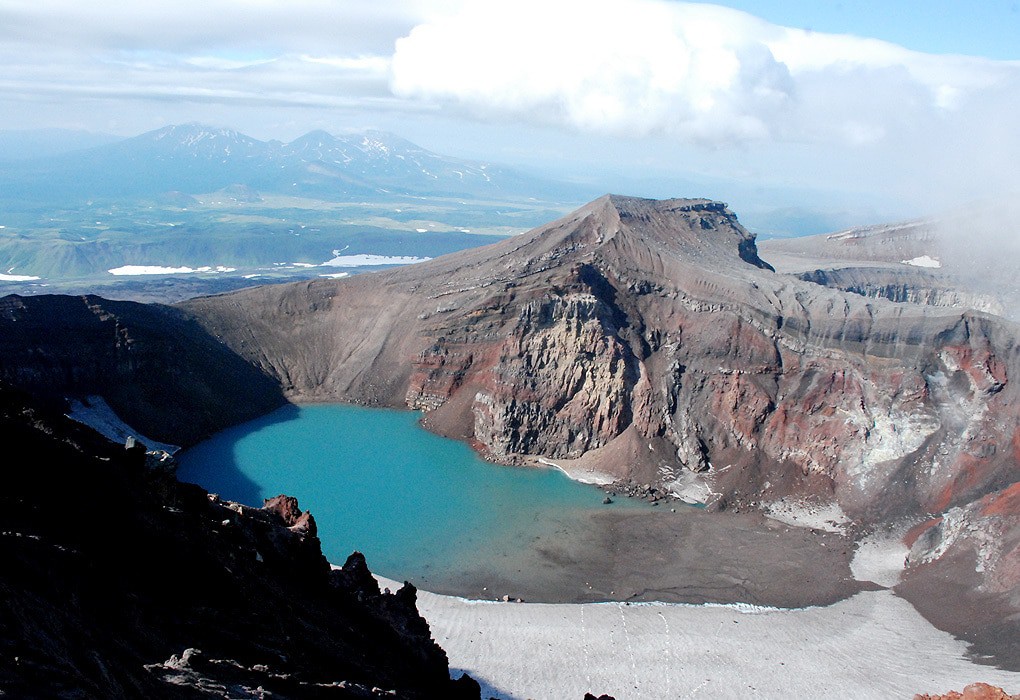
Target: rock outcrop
[
  {"x": 910, "y": 285},
  {"x": 123, "y": 582},
  {"x": 155, "y": 366},
  {"x": 974, "y": 691},
  {"x": 650, "y": 338}
]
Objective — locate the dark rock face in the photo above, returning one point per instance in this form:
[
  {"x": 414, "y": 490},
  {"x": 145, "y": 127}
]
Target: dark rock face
[
  {"x": 157, "y": 368},
  {"x": 122, "y": 582}
]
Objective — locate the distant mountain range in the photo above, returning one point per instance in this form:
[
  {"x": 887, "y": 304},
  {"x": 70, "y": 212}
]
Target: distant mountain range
[
  {"x": 48, "y": 167},
  {"x": 195, "y": 159}
]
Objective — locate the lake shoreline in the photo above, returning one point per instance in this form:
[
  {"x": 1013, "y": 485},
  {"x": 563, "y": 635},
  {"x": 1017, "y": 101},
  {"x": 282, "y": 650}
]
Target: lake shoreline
[
  {"x": 688, "y": 556},
  {"x": 415, "y": 503},
  {"x": 530, "y": 544}
]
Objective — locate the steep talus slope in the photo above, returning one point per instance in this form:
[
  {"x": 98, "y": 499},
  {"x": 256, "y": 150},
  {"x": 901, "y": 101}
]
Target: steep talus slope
[
  {"x": 122, "y": 582},
  {"x": 153, "y": 364},
  {"x": 648, "y": 337}
]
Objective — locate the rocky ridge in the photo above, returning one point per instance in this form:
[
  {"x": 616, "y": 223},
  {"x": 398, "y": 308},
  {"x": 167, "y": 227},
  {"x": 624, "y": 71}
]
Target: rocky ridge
[
  {"x": 643, "y": 341},
  {"x": 904, "y": 285},
  {"x": 647, "y": 343}
]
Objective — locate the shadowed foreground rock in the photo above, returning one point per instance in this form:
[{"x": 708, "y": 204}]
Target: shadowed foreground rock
[{"x": 119, "y": 581}]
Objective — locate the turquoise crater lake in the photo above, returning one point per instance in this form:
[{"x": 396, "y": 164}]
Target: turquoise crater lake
[{"x": 420, "y": 507}]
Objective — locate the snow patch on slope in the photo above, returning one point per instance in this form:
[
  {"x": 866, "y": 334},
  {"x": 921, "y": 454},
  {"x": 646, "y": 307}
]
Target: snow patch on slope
[
  {"x": 369, "y": 259},
  {"x": 129, "y": 270},
  {"x": 97, "y": 414},
  {"x": 923, "y": 261},
  {"x": 817, "y": 516},
  {"x": 880, "y": 558}
]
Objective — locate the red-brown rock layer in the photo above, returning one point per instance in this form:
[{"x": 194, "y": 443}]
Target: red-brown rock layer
[{"x": 974, "y": 691}]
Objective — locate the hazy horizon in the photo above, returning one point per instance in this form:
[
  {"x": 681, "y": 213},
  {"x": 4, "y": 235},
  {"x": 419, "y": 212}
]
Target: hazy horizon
[{"x": 886, "y": 111}]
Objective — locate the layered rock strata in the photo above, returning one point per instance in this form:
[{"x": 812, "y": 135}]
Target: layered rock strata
[
  {"x": 904, "y": 285},
  {"x": 964, "y": 260}
]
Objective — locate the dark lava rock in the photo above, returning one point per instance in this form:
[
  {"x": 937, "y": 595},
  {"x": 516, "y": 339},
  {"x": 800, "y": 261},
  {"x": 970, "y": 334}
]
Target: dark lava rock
[{"x": 119, "y": 581}]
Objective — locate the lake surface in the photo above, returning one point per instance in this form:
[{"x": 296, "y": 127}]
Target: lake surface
[{"x": 420, "y": 507}]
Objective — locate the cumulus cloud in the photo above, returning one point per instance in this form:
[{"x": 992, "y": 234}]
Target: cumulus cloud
[
  {"x": 697, "y": 72},
  {"x": 636, "y": 66}
]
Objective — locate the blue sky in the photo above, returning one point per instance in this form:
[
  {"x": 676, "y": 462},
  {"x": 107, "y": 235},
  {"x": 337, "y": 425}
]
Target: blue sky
[
  {"x": 989, "y": 28},
  {"x": 861, "y": 110}
]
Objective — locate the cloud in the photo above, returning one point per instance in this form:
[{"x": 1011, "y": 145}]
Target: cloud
[
  {"x": 527, "y": 78},
  {"x": 691, "y": 72},
  {"x": 979, "y": 245},
  {"x": 635, "y": 67},
  {"x": 699, "y": 73},
  {"x": 287, "y": 79},
  {"x": 304, "y": 53},
  {"x": 349, "y": 27}
]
